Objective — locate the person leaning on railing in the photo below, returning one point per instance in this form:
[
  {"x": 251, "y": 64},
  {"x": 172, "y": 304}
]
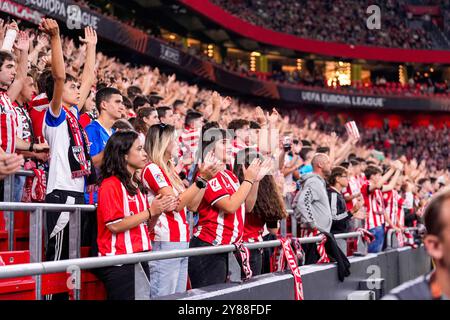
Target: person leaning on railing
[
  {"x": 9, "y": 164},
  {"x": 124, "y": 215}
]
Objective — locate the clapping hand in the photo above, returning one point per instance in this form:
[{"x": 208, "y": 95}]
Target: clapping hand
[
  {"x": 23, "y": 42},
  {"x": 265, "y": 168},
  {"x": 162, "y": 204},
  {"x": 210, "y": 167},
  {"x": 252, "y": 171}
]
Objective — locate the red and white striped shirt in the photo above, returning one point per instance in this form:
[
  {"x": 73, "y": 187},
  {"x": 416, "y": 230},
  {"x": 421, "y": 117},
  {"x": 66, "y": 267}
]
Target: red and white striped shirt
[
  {"x": 253, "y": 228},
  {"x": 393, "y": 203},
  {"x": 353, "y": 187},
  {"x": 235, "y": 148},
  {"x": 8, "y": 124},
  {"x": 114, "y": 204},
  {"x": 189, "y": 140},
  {"x": 215, "y": 226},
  {"x": 373, "y": 203},
  {"x": 171, "y": 226},
  {"x": 37, "y": 107}
]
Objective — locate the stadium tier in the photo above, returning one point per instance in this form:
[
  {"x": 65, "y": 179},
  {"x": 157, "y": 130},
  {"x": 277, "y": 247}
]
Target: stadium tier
[{"x": 243, "y": 150}]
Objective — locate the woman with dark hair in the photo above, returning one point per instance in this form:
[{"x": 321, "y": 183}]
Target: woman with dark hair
[
  {"x": 222, "y": 209},
  {"x": 268, "y": 210},
  {"x": 172, "y": 231},
  {"x": 145, "y": 118},
  {"x": 338, "y": 181},
  {"x": 124, "y": 215}
]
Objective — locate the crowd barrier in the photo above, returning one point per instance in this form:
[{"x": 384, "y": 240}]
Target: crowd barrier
[{"x": 74, "y": 264}]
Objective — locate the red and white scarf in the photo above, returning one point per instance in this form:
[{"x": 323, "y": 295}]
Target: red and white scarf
[
  {"x": 244, "y": 253},
  {"x": 307, "y": 233}
]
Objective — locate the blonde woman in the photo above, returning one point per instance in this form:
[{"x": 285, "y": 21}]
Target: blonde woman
[{"x": 171, "y": 232}]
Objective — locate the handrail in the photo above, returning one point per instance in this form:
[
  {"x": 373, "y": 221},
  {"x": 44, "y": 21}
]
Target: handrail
[
  {"x": 25, "y": 173},
  {"x": 16, "y": 206},
  {"x": 39, "y": 268}
]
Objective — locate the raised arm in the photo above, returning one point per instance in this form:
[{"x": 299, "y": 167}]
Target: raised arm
[
  {"x": 22, "y": 47},
  {"x": 88, "y": 76},
  {"x": 393, "y": 182},
  {"x": 51, "y": 27}
]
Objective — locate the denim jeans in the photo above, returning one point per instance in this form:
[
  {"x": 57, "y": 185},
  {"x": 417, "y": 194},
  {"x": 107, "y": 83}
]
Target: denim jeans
[
  {"x": 19, "y": 182},
  {"x": 168, "y": 276},
  {"x": 376, "y": 245}
]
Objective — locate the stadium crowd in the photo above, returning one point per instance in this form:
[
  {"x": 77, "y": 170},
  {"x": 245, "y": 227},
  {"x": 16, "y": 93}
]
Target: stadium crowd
[
  {"x": 338, "y": 21},
  {"x": 148, "y": 149},
  {"x": 416, "y": 86}
]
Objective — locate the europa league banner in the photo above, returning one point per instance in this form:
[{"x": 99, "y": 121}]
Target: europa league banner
[
  {"x": 77, "y": 17},
  {"x": 74, "y": 16}
]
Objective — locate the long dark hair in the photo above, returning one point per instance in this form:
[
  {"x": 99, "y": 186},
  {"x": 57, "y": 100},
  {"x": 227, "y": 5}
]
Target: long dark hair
[
  {"x": 114, "y": 163},
  {"x": 211, "y": 133},
  {"x": 140, "y": 125},
  {"x": 269, "y": 204}
]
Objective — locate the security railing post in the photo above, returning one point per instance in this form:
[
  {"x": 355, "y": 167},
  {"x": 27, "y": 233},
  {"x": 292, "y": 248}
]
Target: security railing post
[
  {"x": 36, "y": 245},
  {"x": 283, "y": 227},
  {"x": 75, "y": 243},
  {"x": 191, "y": 222},
  {"x": 293, "y": 225},
  {"x": 8, "y": 196}
]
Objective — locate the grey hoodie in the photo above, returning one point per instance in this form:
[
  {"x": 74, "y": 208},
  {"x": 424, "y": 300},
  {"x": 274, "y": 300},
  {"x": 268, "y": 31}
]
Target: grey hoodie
[{"x": 312, "y": 206}]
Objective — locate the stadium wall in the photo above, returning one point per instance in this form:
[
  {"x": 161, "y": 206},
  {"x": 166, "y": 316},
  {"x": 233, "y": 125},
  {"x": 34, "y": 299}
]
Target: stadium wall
[{"x": 388, "y": 269}]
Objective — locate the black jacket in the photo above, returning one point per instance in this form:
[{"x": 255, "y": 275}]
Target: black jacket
[{"x": 339, "y": 213}]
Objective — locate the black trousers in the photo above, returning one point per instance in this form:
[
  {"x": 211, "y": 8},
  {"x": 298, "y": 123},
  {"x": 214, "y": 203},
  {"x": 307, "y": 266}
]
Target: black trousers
[
  {"x": 58, "y": 245},
  {"x": 267, "y": 253},
  {"x": 208, "y": 269},
  {"x": 119, "y": 281}
]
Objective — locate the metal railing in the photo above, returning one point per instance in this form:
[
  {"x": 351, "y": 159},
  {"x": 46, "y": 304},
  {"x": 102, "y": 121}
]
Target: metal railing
[
  {"x": 8, "y": 196},
  {"x": 37, "y": 219},
  {"x": 37, "y": 269}
]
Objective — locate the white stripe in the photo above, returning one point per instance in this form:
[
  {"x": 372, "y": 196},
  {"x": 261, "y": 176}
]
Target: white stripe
[
  {"x": 199, "y": 230},
  {"x": 144, "y": 236},
  {"x": 113, "y": 222},
  {"x": 236, "y": 225},
  {"x": 162, "y": 232},
  {"x": 113, "y": 245},
  {"x": 126, "y": 209},
  {"x": 218, "y": 199},
  {"x": 61, "y": 243},
  {"x": 55, "y": 258},
  {"x": 181, "y": 225},
  {"x": 333, "y": 205},
  {"x": 10, "y": 132},
  {"x": 219, "y": 230}
]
